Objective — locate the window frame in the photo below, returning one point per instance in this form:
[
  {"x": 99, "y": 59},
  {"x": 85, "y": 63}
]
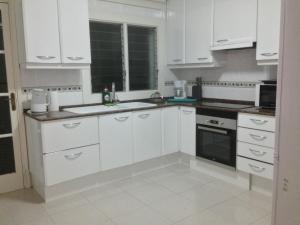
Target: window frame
[{"x": 124, "y": 31}]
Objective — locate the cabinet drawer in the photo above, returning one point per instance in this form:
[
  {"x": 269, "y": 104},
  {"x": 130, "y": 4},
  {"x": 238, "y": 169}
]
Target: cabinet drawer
[
  {"x": 257, "y": 122},
  {"x": 70, "y": 164},
  {"x": 67, "y": 134},
  {"x": 255, "y": 152},
  {"x": 256, "y": 137},
  {"x": 254, "y": 167}
]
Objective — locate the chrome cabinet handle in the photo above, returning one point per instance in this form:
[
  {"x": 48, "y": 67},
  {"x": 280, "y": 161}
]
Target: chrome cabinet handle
[
  {"x": 202, "y": 58},
  {"x": 43, "y": 57},
  {"x": 121, "y": 119},
  {"x": 268, "y": 54},
  {"x": 187, "y": 111},
  {"x": 256, "y": 152},
  {"x": 75, "y": 58},
  {"x": 257, "y": 169},
  {"x": 259, "y": 122},
  {"x": 177, "y": 60},
  {"x": 73, "y": 156},
  {"x": 144, "y": 116},
  {"x": 71, "y": 125},
  {"x": 257, "y": 137},
  {"x": 222, "y": 40}
]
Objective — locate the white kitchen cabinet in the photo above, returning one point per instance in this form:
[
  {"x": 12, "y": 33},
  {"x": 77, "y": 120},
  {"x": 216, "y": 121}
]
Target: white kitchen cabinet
[
  {"x": 116, "y": 140},
  {"x": 170, "y": 120},
  {"x": 175, "y": 32},
  {"x": 74, "y": 31},
  {"x": 147, "y": 134},
  {"x": 268, "y": 31},
  {"x": 188, "y": 130},
  {"x": 41, "y": 32},
  {"x": 198, "y": 33},
  {"x": 234, "y": 24}
]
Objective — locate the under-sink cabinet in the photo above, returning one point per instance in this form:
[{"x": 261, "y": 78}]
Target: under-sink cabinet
[{"x": 255, "y": 145}]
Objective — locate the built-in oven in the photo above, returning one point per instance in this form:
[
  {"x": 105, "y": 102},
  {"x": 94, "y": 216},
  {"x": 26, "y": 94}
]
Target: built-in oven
[{"x": 216, "y": 136}]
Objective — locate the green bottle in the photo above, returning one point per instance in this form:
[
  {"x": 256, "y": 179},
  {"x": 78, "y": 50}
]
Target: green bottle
[{"x": 105, "y": 96}]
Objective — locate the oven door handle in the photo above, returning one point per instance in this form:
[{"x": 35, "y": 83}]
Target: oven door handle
[{"x": 212, "y": 130}]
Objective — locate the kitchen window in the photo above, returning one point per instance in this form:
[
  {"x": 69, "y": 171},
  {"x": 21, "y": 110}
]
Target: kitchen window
[{"x": 113, "y": 55}]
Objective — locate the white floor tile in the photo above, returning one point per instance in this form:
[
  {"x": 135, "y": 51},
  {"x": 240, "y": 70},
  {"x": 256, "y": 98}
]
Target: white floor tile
[
  {"x": 101, "y": 192},
  {"x": 264, "y": 221},
  {"x": 257, "y": 200},
  {"x": 81, "y": 215},
  {"x": 225, "y": 186},
  {"x": 118, "y": 205}
]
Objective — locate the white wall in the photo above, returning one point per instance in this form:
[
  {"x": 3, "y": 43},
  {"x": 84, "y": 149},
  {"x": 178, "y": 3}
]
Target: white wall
[{"x": 240, "y": 65}]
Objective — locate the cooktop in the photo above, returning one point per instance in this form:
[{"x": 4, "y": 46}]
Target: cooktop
[{"x": 226, "y": 105}]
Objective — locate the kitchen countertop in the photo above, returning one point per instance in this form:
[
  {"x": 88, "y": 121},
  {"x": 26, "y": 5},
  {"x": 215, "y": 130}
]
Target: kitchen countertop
[{"x": 50, "y": 116}]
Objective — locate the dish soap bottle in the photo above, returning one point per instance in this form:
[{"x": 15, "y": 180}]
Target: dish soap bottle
[{"x": 105, "y": 96}]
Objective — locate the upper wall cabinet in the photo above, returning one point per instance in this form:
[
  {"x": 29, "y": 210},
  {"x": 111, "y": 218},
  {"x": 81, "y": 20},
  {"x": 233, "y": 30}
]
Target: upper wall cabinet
[
  {"x": 175, "y": 31},
  {"x": 268, "y": 31},
  {"x": 234, "y": 24},
  {"x": 56, "y": 33}
]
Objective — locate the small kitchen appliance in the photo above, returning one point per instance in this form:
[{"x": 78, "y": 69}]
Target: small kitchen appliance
[
  {"x": 197, "y": 89},
  {"x": 266, "y": 94},
  {"x": 39, "y": 101},
  {"x": 180, "y": 89},
  {"x": 53, "y": 101}
]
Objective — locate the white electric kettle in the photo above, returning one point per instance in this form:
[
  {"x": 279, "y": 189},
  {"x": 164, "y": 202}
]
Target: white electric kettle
[{"x": 39, "y": 101}]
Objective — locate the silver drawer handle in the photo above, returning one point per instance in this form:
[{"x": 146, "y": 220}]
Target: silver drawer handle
[
  {"x": 257, "y": 169},
  {"x": 121, "y": 119},
  {"x": 73, "y": 156},
  {"x": 71, "y": 125},
  {"x": 257, "y": 137},
  {"x": 177, "y": 60},
  {"x": 202, "y": 59},
  {"x": 75, "y": 58},
  {"x": 259, "y": 122},
  {"x": 257, "y": 153},
  {"x": 222, "y": 40},
  {"x": 44, "y": 57},
  {"x": 144, "y": 116},
  {"x": 269, "y": 54},
  {"x": 187, "y": 111}
]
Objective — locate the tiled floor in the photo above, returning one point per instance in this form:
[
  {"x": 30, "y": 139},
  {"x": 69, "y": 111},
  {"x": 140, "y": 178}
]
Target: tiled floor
[{"x": 170, "y": 196}]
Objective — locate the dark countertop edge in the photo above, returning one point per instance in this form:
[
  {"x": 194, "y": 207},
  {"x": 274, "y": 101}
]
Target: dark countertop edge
[{"x": 62, "y": 115}]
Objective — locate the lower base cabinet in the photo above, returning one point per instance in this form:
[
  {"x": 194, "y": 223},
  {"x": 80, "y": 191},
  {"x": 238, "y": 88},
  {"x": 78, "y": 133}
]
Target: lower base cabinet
[
  {"x": 188, "y": 130},
  {"x": 147, "y": 135},
  {"x": 116, "y": 140},
  {"x": 70, "y": 164}
]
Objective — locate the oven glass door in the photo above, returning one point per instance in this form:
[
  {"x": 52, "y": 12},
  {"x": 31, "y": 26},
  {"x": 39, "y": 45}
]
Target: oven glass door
[{"x": 216, "y": 144}]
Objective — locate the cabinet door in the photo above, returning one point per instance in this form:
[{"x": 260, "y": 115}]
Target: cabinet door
[
  {"x": 268, "y": 30},
  {"x": 170, "y": 130},
  {"x": 175, "y": 31},
  {"x": 74, "y": 31},
  {"x": 188, "y": 130},
  {"x": 116, "y": 143},
  {"x": 147, "y": 135},
  {"x": 41, "y": 33},
  {"x": 198, "y": 31},
  {"x": 234, "y": 23}
]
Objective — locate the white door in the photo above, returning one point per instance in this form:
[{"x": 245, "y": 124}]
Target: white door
[
  {"x": 10, "y": 157},
  {"x": 198, "y": 36},
  {"x": 170, "y": 123},
  {"x": 147, "y": 135},
  {"x": 287, "y": 193},
  {"x": 116, "y": 142},
  {"x": 268, "y": 30},
  {"x": 188, "y": 130},
  {"x": 41, "y": 32},
  {"x": 175, "y": 31},
  {"x": 74, "y": 31}
]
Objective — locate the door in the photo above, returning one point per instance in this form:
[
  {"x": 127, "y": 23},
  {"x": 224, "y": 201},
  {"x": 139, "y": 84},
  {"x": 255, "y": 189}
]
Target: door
[
  {"x": 287, "y": 166},
  {"x": 147, "y": 135},
  {"x": 198, "y": 31},
  {"x": 74, "y": 31},
  {"x": 10, "y": 157},
  {"x": 268, "y": 30},
  {"x": 116, "y": 142},
  {"x": 170, "y": 130},
  {"x": 175, "y": 31},
  {"x": 188, "y": 130},
  {"x": 40, "y": 19}
]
